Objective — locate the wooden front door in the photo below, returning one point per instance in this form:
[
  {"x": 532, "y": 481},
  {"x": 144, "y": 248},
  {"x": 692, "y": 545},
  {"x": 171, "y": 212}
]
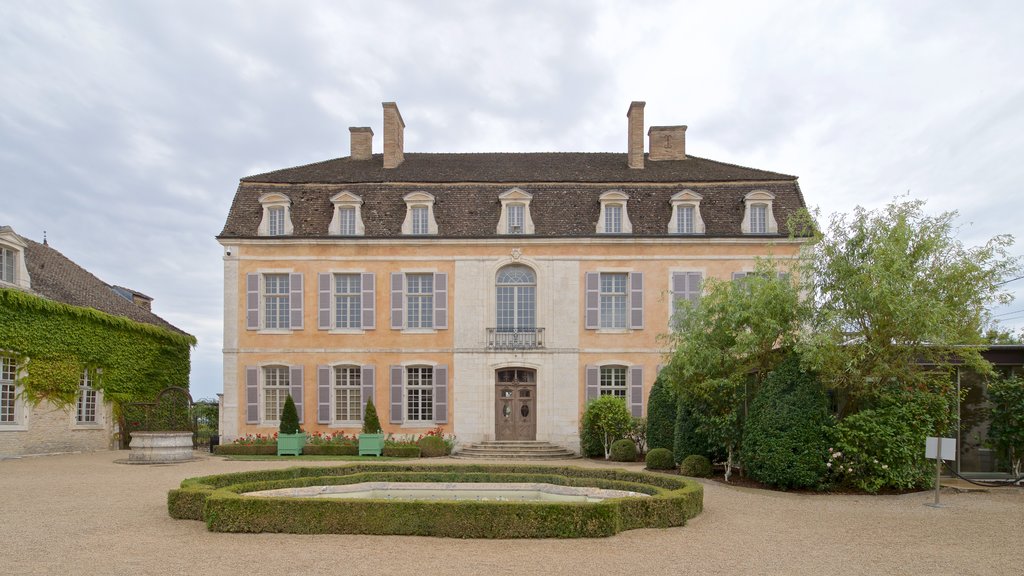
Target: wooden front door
[{"x": 515, "y": 404}]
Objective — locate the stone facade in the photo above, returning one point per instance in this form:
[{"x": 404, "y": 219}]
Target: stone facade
[{"x": 50, "y": 429}]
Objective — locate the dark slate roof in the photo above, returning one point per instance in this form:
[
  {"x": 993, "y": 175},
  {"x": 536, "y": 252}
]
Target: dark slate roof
[
  {"x": 514, "y": 167},
  {"x": 56, "y": 277}
]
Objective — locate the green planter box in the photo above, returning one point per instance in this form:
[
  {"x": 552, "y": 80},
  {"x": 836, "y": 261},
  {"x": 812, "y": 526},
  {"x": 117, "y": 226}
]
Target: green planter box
[
  {"x": 290, "y": 444},
  {"x": 371, "y": 444}
]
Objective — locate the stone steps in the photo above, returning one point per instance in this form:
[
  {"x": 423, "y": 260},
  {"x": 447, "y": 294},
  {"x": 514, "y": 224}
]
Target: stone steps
[{"x": 514, "y": 450}]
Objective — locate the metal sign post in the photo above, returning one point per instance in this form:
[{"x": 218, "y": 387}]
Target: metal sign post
[{"x": 940, "y": 449}]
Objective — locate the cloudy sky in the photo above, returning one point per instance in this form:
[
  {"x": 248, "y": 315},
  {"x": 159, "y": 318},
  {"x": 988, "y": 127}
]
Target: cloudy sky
[{"x": 125, "y": 126}]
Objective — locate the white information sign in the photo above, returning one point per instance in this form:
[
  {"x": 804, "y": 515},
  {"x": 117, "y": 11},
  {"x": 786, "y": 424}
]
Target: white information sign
[{"x": 933, "y": 448}]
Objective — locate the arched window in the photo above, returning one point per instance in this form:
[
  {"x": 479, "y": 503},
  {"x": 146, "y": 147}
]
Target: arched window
[{"x": 516, "y": 299}]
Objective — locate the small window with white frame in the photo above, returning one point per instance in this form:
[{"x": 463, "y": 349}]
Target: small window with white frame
[
  {"x": 515, "y": 218},
  {"x": 277, "y": 218},
  {"x": 276, "y": 386},
  {"x": 419, "y": 393},
  {"x": 86, "y": 404},
  {"x": 613, "y": 381},
  {"x": 613, "y": 299},
  {"x": 758, "y": 216},
  {"x": 419, "y": 215},
  {"x": 515, "y": 212},
  {"x": 9, "y": 404},
  {"x": 276, "y": 301},
  {"x": 347, "y": 219},
  {"x": 419, "y": 300},
  {"x": 8, "y": 257},
  {"x": 347, "y": 393},
  {"x": 686, "y": 218},
  {"x": 348, "y": 296},
  {"x": 614, "y": 216}
]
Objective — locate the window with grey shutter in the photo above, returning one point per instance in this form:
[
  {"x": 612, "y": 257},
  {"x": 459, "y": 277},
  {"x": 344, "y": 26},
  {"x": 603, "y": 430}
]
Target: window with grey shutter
[
  {"x": 368, "y": 380},
  {"x": 323, "y": 301},
  {"x": 252, "y": 395},
  {"x": 395, "y": 413},
  {"x": 441, "y": 300},
  {"x": 252, "y": 301},
  {"x": 593, "y": 300},
  {"x": 323, "y": 394},
  {"x": 636, "y": 300},
  {"x": 593, "y": 382},
  {"x": 441, "y": 395},
  {"x": 297, "y": 388},
  {"x": 686, "y": 286},
  {"x": 636, "y": 391},
  {"x": 295, "y": 301},
  {"x": 397, "y": 300},
  {"x": 369, "y": 301}
]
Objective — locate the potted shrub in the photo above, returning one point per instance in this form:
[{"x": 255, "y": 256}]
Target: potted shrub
[
  {"x": 371, "y": 441},
  {"x": 290, "y": 438}
]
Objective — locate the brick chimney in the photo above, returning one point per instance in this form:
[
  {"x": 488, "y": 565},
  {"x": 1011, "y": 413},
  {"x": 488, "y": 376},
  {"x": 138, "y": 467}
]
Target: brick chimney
[
  {"x": 667, "y": 143},
  {"x": 362, "y": 142},
  {"x": 635, "y": 144},
  {"x": 394, "y": 136}
]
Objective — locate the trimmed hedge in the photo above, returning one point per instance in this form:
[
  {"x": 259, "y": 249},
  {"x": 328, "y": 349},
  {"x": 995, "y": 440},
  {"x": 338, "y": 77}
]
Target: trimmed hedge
[
  {"x": 246, "y": 450},
  {"x": 330, "y": 450},
  {"x": 217, "y": 500},
  {"x": 402, "y": 451},
  {"x": 432, "y": 446},
  {"x": 660, "y": 459},
  {"x": 623, "y": 451},
  {"x": 695, "y": 465}
]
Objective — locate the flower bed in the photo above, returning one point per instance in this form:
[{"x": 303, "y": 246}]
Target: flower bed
[
  {"x": 336, "y": 444},
  {"x": 220, "y": 502}
]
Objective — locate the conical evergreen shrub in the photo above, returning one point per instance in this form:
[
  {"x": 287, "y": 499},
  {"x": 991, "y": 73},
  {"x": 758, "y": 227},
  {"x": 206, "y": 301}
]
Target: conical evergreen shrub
[
  {"x": 371, "y": 423},
  {"x": 661, "y": 415},
  {"x": 289, "y": 417}
]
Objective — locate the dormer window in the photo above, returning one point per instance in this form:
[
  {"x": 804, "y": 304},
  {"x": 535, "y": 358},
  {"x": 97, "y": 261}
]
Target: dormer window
[
  {"x": 277, "y": 218},
  {"x": 6, "y": 265},
  {"x": 348, "y": 218},
  {"x": 686, "y": 217},
  {"x": 419, "y": 215},
  {"x": 12, "y": 259},
  {"x": 758, "y": 217},
  {"x": 515, "y": 212},
  {"x": 614, "y": 218}
]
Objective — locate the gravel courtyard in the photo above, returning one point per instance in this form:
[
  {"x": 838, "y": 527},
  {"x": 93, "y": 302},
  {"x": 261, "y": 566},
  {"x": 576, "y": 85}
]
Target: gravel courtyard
[{"x": 86, "y": 514}]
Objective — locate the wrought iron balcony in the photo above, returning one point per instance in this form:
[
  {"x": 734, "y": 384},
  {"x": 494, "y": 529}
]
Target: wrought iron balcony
[{"x": 515, "y": 339}]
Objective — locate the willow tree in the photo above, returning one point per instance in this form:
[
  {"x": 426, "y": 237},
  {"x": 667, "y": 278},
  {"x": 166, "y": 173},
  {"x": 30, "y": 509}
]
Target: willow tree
[{"x": 729, "y": 339}]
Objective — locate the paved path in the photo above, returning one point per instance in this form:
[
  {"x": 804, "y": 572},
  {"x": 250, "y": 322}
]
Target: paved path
[{"x": 85, "y": 514}]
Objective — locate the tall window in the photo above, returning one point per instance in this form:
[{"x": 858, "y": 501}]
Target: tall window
[
  {"x": 276, "y": 224},
  {"x": 613, "y": 299},
  {"x": 420, "y": 300},
  {"x": 613, "y": 381},
  {"x": 275, "y": 390},
  {"x": 275, "y": 300},
  {"x": 7, "y": 265},
  {"x": 613, "y": 219},
  {"x": 347, "y": 220},
  {"x": 347, "y": 301},
  {"x": 8, "y": 392},
  {"x": 347, "y": 393},
  {"x": 684, "y": 221},
  {"x": 515, "y": 218},
  {"x": 85, "y": 409},
  {"x": 758, "y": 218},
  {"x": 517, "y": 298},
  {"x": 419, "y": 391},
  {"x": 420, "y": 220}
]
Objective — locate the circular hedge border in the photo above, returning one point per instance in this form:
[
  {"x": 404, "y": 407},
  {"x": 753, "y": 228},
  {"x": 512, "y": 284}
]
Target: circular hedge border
[{"x": 220, "y": 502}]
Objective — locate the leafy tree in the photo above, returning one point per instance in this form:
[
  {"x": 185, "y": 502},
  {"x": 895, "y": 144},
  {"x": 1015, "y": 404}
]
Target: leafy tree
[
  {"x": 289, "y": 417},
  {"x": 731, "y": 333},
  {"x": 895, "y": 289},
  {"x": 371, "y": 423},
  {"x": 1006, "y": 432},
  {"x": 610, "y": 418},
  {"x": 661, "y": 415}
]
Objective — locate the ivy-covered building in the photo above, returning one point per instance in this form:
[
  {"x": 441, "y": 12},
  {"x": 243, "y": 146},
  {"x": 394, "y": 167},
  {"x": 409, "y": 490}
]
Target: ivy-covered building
[{"x": 72, "y": 349}]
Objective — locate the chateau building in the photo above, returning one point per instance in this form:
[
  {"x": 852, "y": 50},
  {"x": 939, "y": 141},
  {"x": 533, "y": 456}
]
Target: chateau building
[{"x": 492, "y": 294}]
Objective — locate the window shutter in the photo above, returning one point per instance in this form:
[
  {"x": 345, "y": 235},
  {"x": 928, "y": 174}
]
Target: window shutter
[
  {"x": 397, "y": 289},
  {"x": 252, "y": 395},
  {"x": 441, "y": 395},
  {"x": 368, "y": 382},
  {"x": 593, "y": 300},
  {"x": 636, "y": 391},
  {"x": 296, "y": 389},
  {"x": 693, "y": 285},
  {"x": 369, "y": 301},
  {"x": 323, "y": 394},
  {"x": 396, "y": 394},
  {"x": 739, "y": 275},
  {"x": 441, "y": 300},
  {"x": 252, "y": 301},
  {"x": 593, "y": 383},
  {"x": 295, "y": 301},
  {"x": 636, "y": 300},
  {"x": 324, "y": 302}
]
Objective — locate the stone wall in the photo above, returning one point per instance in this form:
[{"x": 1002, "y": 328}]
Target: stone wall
[{"x": 49, "y": 429}]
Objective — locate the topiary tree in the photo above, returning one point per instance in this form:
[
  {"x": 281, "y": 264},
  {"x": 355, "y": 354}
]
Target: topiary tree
[
  {"x": 591, "y": 444},
  {"x": 1006, "y": 432},
  {"x": 787, "y": 430},
  {"x": 687, "y": 436},
  {"x": 371, "y": 423},
  {"x": 660, "y": 459},
  {"x": 609, "y": 418},
  {"x": 289, "y": 417},
  {"x": 695, "y": 465},
  {"x": 661, "y": 415},
  {"x": 432, "y": 446},
  {"x": 623, "y": 450}
]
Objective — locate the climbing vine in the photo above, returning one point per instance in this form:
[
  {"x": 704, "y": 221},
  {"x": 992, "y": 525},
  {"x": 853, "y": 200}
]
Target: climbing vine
[{"x": 54, "y": 342}]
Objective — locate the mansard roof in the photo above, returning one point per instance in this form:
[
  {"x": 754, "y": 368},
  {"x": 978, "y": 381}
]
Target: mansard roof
[{"x": 515, "y": 167}]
